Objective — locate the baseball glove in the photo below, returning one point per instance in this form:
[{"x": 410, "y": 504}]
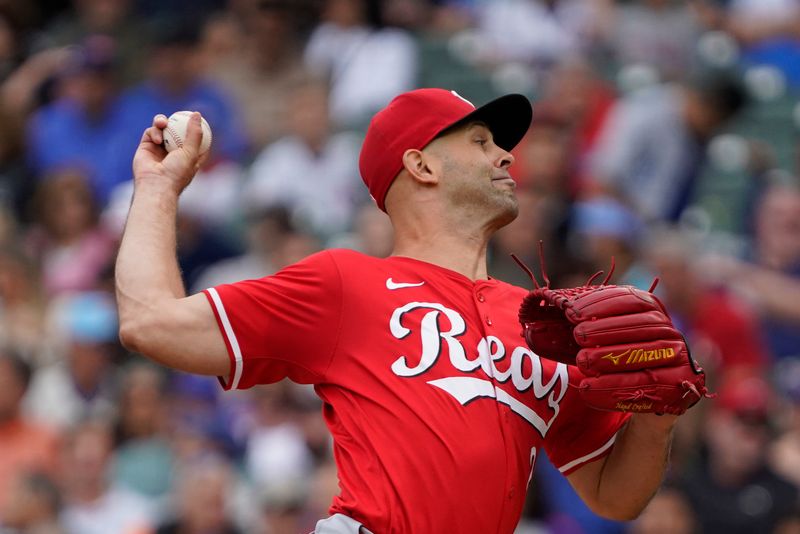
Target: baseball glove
[{"x": 622, "y": 340}]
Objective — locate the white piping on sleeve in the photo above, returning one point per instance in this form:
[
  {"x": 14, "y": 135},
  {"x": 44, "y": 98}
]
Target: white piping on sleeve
[
  {"x": 593, "y": 454},
  {"x": 231, "y": 335}
]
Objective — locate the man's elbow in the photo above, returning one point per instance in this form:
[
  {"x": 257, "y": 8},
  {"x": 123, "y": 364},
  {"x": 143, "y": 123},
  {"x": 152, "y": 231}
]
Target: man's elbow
[
  {"x": 130, "y": 336},
  {"x": 620, "y": 515},
  {"x": 618, "y": 510},
  {"x": 138, "y": 332}
]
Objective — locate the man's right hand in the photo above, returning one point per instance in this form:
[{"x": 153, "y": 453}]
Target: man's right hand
[{"x": 152, "y": 162}]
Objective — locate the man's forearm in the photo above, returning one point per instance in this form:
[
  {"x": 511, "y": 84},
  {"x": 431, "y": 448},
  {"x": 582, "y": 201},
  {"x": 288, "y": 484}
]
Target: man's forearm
[
  {"x": 620, "y": 485},
  {"x": 147, "y": 269},
  {"x": 633, "y": 471},
  {"x": 155, "y": 319}
]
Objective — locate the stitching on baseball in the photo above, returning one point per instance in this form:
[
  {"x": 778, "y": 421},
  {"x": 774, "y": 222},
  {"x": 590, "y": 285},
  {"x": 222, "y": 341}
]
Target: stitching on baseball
[
  {"x": 175, "y": 137},
  {"x": 179, "y": 141}
]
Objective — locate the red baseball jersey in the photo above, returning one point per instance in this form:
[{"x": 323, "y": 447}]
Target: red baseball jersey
[{"x": 436, "y": 405}]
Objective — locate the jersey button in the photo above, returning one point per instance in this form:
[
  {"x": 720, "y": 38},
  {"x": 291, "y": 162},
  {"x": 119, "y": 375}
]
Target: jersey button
[
  {"x": 488, "y": 320},
  {"x": 511, "y": 493},
  {"x": 481, "y": 298}
]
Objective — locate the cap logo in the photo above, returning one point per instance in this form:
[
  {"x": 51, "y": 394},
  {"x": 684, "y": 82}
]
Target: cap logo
[{"x": 462, "y": 98}]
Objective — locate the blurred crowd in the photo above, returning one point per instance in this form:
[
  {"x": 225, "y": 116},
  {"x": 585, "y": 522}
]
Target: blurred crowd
[{"x": 666, "y": 135}]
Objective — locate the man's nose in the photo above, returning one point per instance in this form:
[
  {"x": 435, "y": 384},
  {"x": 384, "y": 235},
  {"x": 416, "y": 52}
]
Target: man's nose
[{"x": 506, "y": 159}]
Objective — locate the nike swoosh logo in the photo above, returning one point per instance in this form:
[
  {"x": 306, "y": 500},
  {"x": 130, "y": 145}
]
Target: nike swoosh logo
[{"x": 391, "y": 284}]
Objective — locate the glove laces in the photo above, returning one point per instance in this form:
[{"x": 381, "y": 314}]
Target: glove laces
[
  {"x": 636, "y": 395},
  {"x": 541, "y": 266},
  {"x": 591, "y": 279}
]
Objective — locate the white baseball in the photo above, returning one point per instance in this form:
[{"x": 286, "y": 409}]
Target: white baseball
[{"x": 175, "y": 132}]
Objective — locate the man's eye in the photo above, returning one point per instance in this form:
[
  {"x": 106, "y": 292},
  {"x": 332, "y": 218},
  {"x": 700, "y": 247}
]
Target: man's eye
[{"x": 481, "y": 141}]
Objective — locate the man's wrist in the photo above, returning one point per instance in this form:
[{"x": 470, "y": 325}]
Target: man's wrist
[{"x": 155, "y": 185}]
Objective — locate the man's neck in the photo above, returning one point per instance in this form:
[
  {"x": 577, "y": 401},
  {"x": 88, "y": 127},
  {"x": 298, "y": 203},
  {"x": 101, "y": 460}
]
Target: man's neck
[{"x": 461, "y": 252}]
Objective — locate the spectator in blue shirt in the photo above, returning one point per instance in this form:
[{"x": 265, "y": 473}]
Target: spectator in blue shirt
[{"x": 84, "y": 127}]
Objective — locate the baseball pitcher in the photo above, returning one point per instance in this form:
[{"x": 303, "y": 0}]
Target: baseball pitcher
[{"x": 440, "y": 385}]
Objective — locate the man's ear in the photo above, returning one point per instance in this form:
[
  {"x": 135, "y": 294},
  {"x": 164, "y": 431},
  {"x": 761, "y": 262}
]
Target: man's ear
[{"x": 420, "y": 166}]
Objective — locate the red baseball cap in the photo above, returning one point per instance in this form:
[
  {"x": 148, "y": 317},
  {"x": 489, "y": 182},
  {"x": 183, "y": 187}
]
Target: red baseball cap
[{"x": 414, "y": 119}]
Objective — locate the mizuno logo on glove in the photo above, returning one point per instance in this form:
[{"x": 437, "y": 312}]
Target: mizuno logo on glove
[{"x": 640, "y": 355}]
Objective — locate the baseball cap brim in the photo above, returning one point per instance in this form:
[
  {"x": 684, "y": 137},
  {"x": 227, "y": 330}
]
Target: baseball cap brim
[{"x": 508, "y": 118}]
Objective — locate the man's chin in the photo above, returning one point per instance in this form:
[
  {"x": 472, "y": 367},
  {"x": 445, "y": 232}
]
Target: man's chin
[{"x": 508, "y": 210}]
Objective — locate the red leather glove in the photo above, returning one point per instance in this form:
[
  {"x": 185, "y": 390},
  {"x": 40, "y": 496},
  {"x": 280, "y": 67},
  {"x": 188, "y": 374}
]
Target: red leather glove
[{"x": 622, "y": 339}]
